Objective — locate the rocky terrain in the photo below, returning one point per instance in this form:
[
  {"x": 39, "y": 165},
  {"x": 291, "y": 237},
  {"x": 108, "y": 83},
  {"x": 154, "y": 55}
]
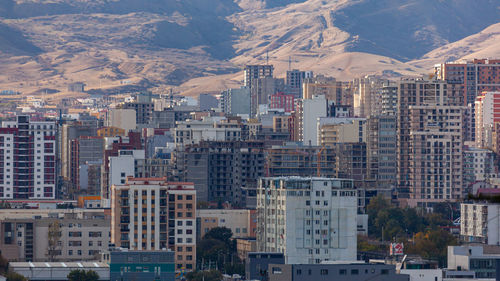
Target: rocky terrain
[{"x": 200, "y": 46}]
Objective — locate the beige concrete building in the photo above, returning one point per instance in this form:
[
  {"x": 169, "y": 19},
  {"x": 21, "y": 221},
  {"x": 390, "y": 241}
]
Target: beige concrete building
[
  {"x": 153, "y": 214},
  {"x": 82, "y": 237},
  {"x": 433, "y": 101},
  {"x": 436, "y": 158},
  {"x": 238, "y": 220},
  {"x": 122, "y": 118},
  {"x": 336, "y": 130}
]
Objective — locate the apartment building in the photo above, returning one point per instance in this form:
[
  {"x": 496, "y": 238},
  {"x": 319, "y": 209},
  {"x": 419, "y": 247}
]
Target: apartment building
[
  {"x": 236, "y": 101},
  {"x": 296, "y": 159},
  {"x": 389, "y": 98},
  {"x": 480, "y": 223},
  {"x": 420, "y": 98},
  {"x": 368, "y": 96},
  {"x": 487, "y": 114},
  {"x": 82, "y": 236},
  {"x": 336, "y": 91},
  {"x": 474, "y": 76},
  {"x": 123, "y": 118},
  {"x": 381, "y": 148},
  {"x": 242, "y": 222},
  {"x": 154, "y": 214},
  {"x": 309, "y": 111},
  {"x": 252, "y": 72},
  {"x": 222, "y": 170},
  {"x": 309, "y": 220},
  {"x": 28, "y": 159},
  {"x": 194, "y": 131},
  {"x": 436, "y": 158},
  {"x": 333, "y": 130},
  {"x": 479, "y": 165}
]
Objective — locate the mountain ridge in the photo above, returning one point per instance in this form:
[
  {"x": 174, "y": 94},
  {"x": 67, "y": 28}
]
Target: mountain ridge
[{"x": 110, "y": 44}]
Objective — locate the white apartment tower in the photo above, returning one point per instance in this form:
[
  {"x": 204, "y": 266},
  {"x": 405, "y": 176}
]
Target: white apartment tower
[
  {"x": 310, "y": 220},
  {"x": 28, "y": 159}
]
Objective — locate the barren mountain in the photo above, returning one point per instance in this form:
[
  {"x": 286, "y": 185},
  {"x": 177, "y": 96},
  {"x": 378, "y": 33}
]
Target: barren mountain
[{"x": 125, "y": 45}]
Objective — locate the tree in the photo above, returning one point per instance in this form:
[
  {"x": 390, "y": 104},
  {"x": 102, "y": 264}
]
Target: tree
[
  {"x": 54, "y": 237},
  {"x": 433, "y": 244},
  {"x": 13, "y": 276},
  {"x": 82, "y": 275},
  {"x": 219, "y": 233}
]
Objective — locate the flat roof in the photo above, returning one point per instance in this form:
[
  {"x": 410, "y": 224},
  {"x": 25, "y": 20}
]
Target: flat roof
[{"x": 82, "y": 264}]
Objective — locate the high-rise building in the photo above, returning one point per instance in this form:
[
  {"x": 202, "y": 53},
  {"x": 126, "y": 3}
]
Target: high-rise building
[
  {"x": 112, "y": 148},
  {"x": 487, "y": 113},
  {"x": 368, "y": 96},
  {"x": 327, "y": 86},
  {"x": 309, "y": 111},
  {"x": 436, "y": 155},
  {"x": 309, "y": 220},
  {"x": 389, "y": 98},
  {"x": 236, "y": 101},
  {"x": 294, "y": 81},
  {"x": 222, "y": 170},
  {"x": 28, "y": 159},
  {"x": 296, "y": 159},
  {"x": 351, "y": 160},
  {"x": 261, "y": 89},
  {"x": 280, "y": 100},
  {"x": 333, "y": 130},
  {"x": 143, "y": 110},
  {"x": 125, "y": 119},
  {"x": 154, "y": 214},
  {"x": 194, "y": 131},
  {"x": 431, "y": 100},
  {"x": 479, "y": 165},
  {"x": 474, "y": 76},
  {"x": 381, "y": 148},
  {"x": 252, "y": 72}
]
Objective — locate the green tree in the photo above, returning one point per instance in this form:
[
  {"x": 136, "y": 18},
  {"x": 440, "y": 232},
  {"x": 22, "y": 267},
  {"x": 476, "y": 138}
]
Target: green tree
[
  {"x": 433, "y": 244},
  {"x": 219, "y": 233},
  {"x": 82, "y": 275},
  {"x": 13, "y": 276}
]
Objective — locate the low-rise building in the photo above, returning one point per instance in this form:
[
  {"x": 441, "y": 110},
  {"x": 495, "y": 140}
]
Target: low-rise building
[
  {"x": 238, "y": 220},
  {"x": 482, "y": 259},
  {"x": 142, "y": 265},
  {"x": 54, "y": 271},
  {"x": 350, "y": 271},
  {"x": 74, "y": 237}
]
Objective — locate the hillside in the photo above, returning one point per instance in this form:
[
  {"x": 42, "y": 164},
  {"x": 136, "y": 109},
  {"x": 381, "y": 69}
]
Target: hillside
[{"x": 198, "y": 45}]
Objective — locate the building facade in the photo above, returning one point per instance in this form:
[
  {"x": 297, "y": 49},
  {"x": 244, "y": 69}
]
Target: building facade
[
  {"x": 309, "y": 220},
  {"x": 28, "y": 159},
  {"x": 480, "y": 223},
  {"x": 153, "y": 214}
]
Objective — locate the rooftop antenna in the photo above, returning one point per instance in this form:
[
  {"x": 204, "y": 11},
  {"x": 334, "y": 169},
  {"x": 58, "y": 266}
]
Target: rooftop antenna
[
  {"x": 267, "y": 57},
  {"x": 289, "y": 62}
]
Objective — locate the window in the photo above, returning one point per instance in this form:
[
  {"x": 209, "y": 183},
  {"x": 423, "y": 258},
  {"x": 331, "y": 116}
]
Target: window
[
  {"x": 384, "y": 272},
  {"x": 354, "y": 271},
  {"x": 276, "y": 270},
  {"x": 323, "y": 272},
  {"x": 299, "y": 271},
  {"x": 343, "y": 272},
  {"x": 189, "y": 223}
]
